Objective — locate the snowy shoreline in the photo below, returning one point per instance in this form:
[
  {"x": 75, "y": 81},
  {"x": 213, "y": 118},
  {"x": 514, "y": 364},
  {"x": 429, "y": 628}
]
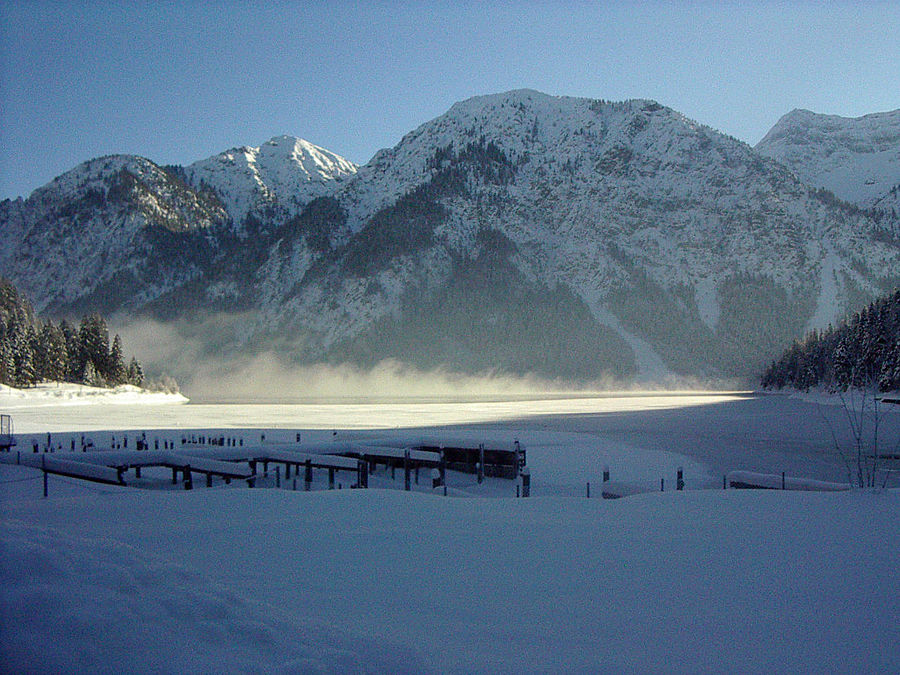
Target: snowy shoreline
[{"x": 67, "y": 393}]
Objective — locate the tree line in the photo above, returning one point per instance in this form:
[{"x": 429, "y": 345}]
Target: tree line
[
  {"x": 33, "y": 350},
  {"x": 862, "y": 352}
]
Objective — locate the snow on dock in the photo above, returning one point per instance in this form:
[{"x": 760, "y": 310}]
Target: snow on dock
[{"x": 228, "y": 458}]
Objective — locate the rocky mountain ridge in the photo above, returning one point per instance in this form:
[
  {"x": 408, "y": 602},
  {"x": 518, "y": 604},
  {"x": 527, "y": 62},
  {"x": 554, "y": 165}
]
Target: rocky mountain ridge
[
  {"x": 858, "y": 159},
  {"x": 518, "y": 232}
]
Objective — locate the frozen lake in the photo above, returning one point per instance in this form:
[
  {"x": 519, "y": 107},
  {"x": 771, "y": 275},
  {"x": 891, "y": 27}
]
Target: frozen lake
[{"x": 569, "y": 439}]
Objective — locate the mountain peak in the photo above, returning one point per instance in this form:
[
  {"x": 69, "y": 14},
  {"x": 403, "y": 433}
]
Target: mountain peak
[
  {"x": 284, "y": 168},
  {"x": 856, "y": 158}
]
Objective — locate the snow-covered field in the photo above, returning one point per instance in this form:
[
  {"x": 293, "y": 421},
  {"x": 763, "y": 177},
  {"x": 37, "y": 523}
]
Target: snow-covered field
[
  {"x": 66, "y": 393},
  {"x": 109, "y": 579}
]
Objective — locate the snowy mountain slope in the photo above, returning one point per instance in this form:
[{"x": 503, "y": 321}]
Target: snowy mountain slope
[
  {"x": 96, "y": 230},
  {"x": 858, "y": 159},
  {"x": 670, "y": 234},
  {"x": 284, "y": 168},
  {"x": 518, "y": 232}
]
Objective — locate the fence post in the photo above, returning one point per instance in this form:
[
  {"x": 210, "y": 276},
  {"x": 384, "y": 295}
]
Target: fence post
[
  {"x": 480, "y": 463},
  {"x": 278, "y": 476},
  {"x": 406, "y": 475},
  {"x": 606, "y": 474},
  {"x": 679, "y": 480},
  {"x": 662, "y": 484},
  {"x": 589, "y": 489},
  {"x": 362, "y": 474},
  {"x": 331, "y": 478},
  {"x": 526, "y": 483},
  {"x": 307, "y": 478}
]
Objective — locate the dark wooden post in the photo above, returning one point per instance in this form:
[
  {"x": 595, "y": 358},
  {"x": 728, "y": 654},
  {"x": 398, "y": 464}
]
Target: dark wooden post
[
  {"x": 188, "y": 483},
  {"x": 606, "y": 474},
  {"x": 287, "y": 471},
  {"x": 526, "y": 483},
  {"x": 331, "y": 478},
  {"x": 679, "y": 480},
  {"x": 662, "y": 484},
  {"x": 443, "y": 469},
  {"x": 589, "y": 489},
  {"x": 406, "y": 476},
  {"x": 137, "y": 472},
  {"x": 278, "y": 476},
  {"x": 362, "y": 474},
  {"x": 307, "y": 479},
  {"x": 174, "y": 475},
  {"x": 480, "y": 463},
  {"x": 208, "y": 480}
]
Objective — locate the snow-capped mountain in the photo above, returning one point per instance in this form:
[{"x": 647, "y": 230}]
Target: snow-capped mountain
[
  {"x": 284, "y": 169},
  {"x": 684, "y": 250},
  {"x": 91, "y": 236},
  {"x": 858, "y": 159},
  {"x": 517, "y": 232}
]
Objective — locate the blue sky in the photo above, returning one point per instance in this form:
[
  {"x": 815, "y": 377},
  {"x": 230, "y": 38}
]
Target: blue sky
[{"x": 179, "y": 81}]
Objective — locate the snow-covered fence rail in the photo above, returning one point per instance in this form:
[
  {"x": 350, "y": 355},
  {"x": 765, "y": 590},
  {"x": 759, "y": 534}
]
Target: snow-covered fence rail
[
  {"x": 72, "y": 469},
  {"x": 771, "y": 481}
]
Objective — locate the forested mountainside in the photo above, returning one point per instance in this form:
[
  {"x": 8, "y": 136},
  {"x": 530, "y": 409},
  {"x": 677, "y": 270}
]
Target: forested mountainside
[
  {"x": 34, "y": 350},
  {"x": 518, "y": 232},
  {"x": 861, "y": 352}
]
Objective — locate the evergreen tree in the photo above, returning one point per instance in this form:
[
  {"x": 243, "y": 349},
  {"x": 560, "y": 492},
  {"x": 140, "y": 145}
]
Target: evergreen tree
[
  {"x": 7, "y": 362},
  {"x": 134, "y": 373},
  {"x": 115, "y": 369},
  {"x": 53, "y": 354},
  {"x": 93, "y": 338},
  {"x": 91, "y": 377},
  {"x": 863, "y": 352},
  {"x": 23, "y": 355},
  {"x": 73, "y": 370},
  {"x": 32, "y": 350}
]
